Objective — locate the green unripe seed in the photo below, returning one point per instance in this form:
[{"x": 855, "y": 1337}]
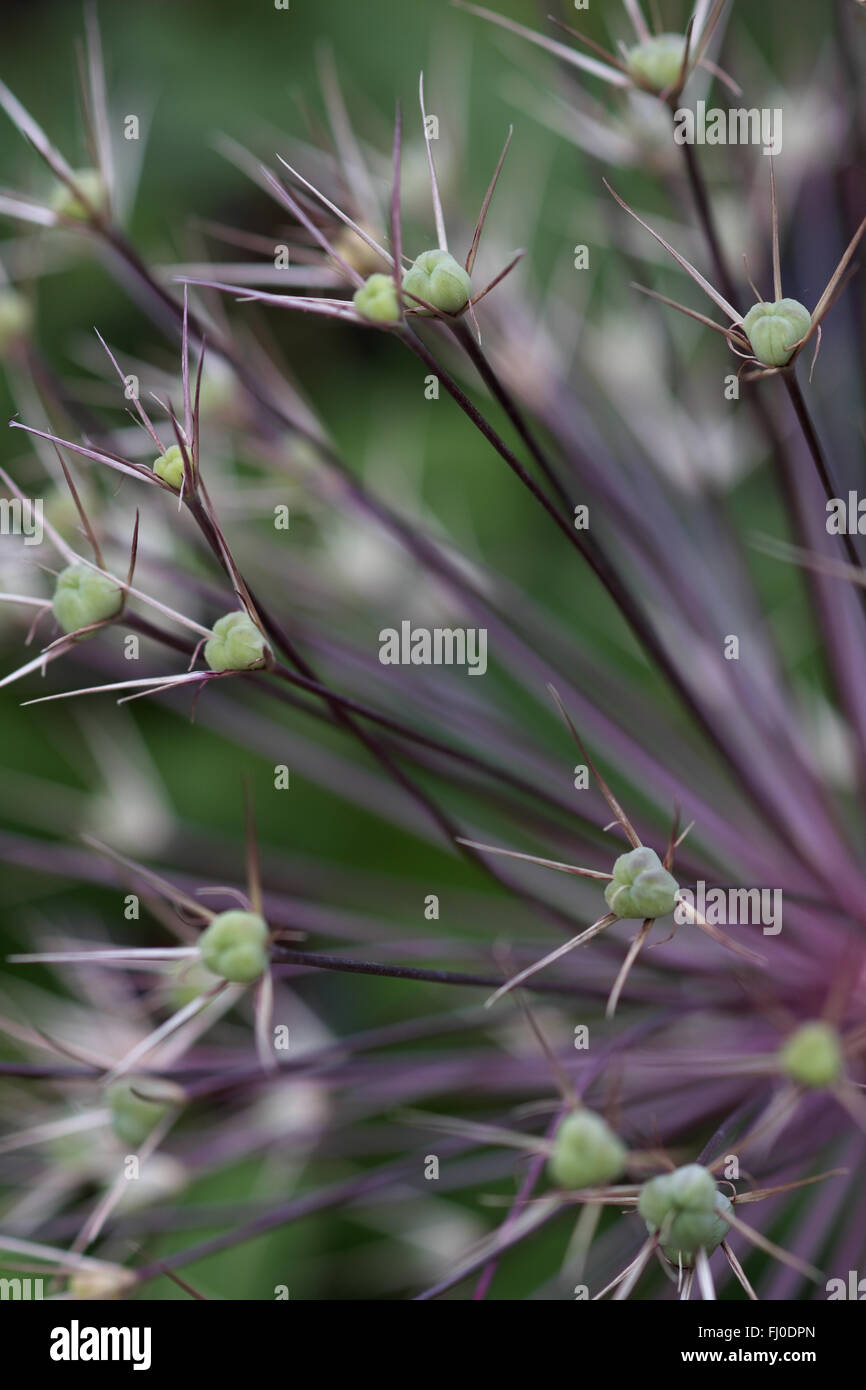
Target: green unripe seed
[
  {"x": 586, "y": 1152},
  {"x": 83, "y": 596},
  {"x": 67, "y": 204},
  {"x": 774, "y": 329},
  {"x": 169, "y": 466},
  {"x": 658, "y": 61},
  {"x": 685, "y": 1207},
  {"x": 137, "y": 1104},
  {"x": 440, "y": 280},
  {"x": 235, "y": 946},
  {"x": 236, "y": 645},
  {"x": 812, "y": 1056},
  {"x": 641, "y": 886},
  {"x": 16, "y": 318},
  {"x": 376, "y": 299}
]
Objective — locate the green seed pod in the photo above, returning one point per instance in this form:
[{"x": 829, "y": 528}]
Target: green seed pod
[
  {"x": 235, "y": 946},
  {"x": 169, "y": 466},
  {"x": 237, "y": 644},
  {"x": 773, "y": 329},
  {"x": 377, "y": 299},
  {"x": 16, "y": 318},
  {"x": 586, "y": 1152},
  {"x": 137, "y": 1104},
  {"x": 91, "y": 183},
  {"x": 812, "y": 1056},
  {"x": 658, "y": 61},
  {"x": 438, "y": 278},
  {"x": 684, "y": 1207},
  {"x": 83, "y": 596},
  {"x": 641, "y": 886}
]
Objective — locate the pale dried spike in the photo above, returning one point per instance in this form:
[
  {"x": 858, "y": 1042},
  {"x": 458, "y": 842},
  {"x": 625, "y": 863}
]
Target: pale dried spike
[
  {"x": 698, "y": 920},
  {"x": 590, "y": 43},
  {"x": 34, "y": 665},
  {"x": 332, "y": 207},
  {"x": 476, "y": 299},
  {"x": 163, "y": 886},
  {"x": 759, "y": 1194},
  {"x": 482, "y": 216},
  {"x": 681, "y": 260},
  {"x": 25, "y": 210},
  {"x": 635, "y": 14},
  {"x": 66, "y": 1259},
  {"x": 606, "y": 792},
  {"x": 692, "y": 313},
  {"x": 774, "y": 218},
  {"x": 635, "y": 1270},
  {"x": 53, "y": 1129},
  {"x": 98, "y": 102},
  {"x": 164, "y": 1030},
  {"x": 263, "y": 1011},
  {"x": 625, "y": 968},
  {"x": 704, "y": 1276},
  {"x": 649, "y": 1245},
  {"x": 587, "y": 935},
  {"x": 826, "y": 299},
  {"x": 32, "y": 131},
  {"x": 559, "y": 50},
  {"x": 131, "y": 954},
  {"x": 297, "y": 211},
  {"x": 326, "y": 308},
  {"x": 739, "y": 1271},
  {"x": 705, "y": 31},
  {"x": 764, "y": 1243},
  {"x": 441, "y": 235},
  {"x": 109, "y": 1200},
  {"x": 351, "y": 159},
  {"x": 148, "y": 685},
  {"x": 534, "y": 859},
  {"x": 477, "y": 1130}
]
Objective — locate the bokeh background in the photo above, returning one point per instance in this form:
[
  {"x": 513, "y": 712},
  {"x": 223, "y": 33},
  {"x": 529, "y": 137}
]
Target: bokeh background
[{"x": 170, "y": 793}]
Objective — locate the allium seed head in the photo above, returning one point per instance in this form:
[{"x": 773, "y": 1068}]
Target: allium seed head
[
  {"x": 377, "y": 299},
  {"x": 83, "y": 596},
  {"x": 92, "y": 185},
  {"x": 236, "y": 645},
  {"x": 137, "y": 1104},
  {"x": 440, "y": 280},
  {"x": 774, "y": 329},
  {"x": 641, "y": 886},
  {"x": 812, "y": 1056},
  {"x": 684, "y": 1208},
  {"x": 658, "y": 61},
  {"x": 235, "y": 946},
  {"x": 586, "y": 1152},
  {"x": 169, "y": 466}
]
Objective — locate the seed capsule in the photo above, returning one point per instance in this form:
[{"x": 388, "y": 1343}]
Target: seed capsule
[
  {"x": 440, "y": 280},
  {"x": 68, "y": 204},
  {"x": 169, "y": 466},
  {"x": 641, "y": 886},
  {"x": 586, "y": 1152},
  {"x": 377, "y": 299},
  {"x": 684, "y": 1208},
  {"x": 137, "y": 1104},
  {"x": 83, "y": 596},
  {"x": 812, "y": 1055},
  {"x": 658, "y": 61},
  {"x": 236, "y": 645},
  {"x": 235, "y": 946},
  {"x": 774, "y": 329}
]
